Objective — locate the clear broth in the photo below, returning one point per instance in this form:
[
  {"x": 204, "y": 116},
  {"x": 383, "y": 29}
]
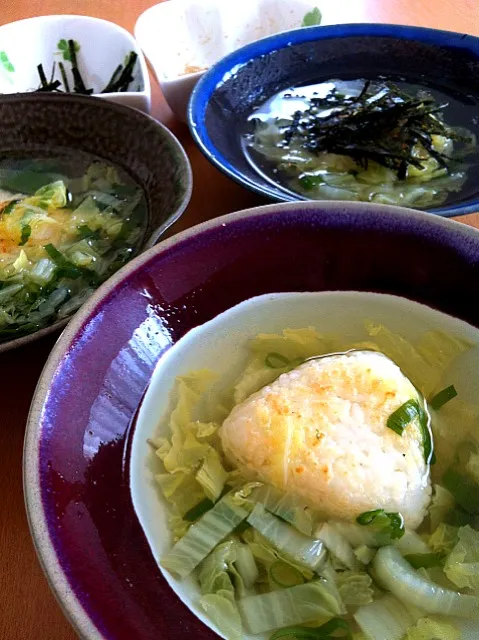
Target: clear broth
[{"x": 461, "y": 111}]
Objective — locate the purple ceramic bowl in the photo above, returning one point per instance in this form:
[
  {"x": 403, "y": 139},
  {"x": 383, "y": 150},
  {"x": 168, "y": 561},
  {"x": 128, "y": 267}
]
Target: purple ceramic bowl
[{"x": 79, "y": 431}]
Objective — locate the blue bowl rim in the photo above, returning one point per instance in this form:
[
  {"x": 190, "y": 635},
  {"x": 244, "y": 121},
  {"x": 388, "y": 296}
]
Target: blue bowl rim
[{"x": 232, "y": 62}]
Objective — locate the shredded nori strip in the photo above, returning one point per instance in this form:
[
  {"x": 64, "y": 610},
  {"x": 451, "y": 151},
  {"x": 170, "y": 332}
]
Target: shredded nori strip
[
  {"x": 443, "y": 397},
  {"x": 78, "y": 84},
  {"x": 120, "y": 80},
  {"x": 382, "y": 124},
  {"x": 45, "y": 85},
  {"x": 122, "y": 77}
]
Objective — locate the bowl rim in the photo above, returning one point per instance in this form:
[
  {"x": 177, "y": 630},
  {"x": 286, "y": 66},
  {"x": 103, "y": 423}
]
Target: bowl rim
[
  {"x": 38, "y": 525},
  {"x": 58, "y": 17},
  {"x": 156, "y": 234},
  {"x": 234, "y": 61}
]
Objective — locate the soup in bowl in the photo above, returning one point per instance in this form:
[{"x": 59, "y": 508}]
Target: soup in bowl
[
  {"x": 98, "y": 515},
  {"x": 359, "y": 112},
  {"x": 319, "y": 477}
]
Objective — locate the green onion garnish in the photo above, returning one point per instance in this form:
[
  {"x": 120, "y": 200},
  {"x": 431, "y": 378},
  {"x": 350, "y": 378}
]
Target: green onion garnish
[
  {"x": 275, "y": 360},
  {"x": 285, "y": 575},
  {"x": 458, "y": 517},
  {"x": 66, "y": 269},
  {"x": 198, "y": 510},
  {"x": 391, "y": 524},
  {"x": 427, "y": 441},
  {"x": 332, "y": 626},
  {"x": 404, "y": 415},
  {"x": 78, "y": 84},
  {"x": 64, "y": 77},
  {"x": 328, "y": 630},
  {"x": 84, "y": 231},
  {"x": 295, "y": 633},
  {"x": 423, "y": 560},
  {"x": 464, "y": 489},
  {"x": 10, "y": 207},
  {"x": 26, "y": 233},
  {"x": 444, "y": 396}
]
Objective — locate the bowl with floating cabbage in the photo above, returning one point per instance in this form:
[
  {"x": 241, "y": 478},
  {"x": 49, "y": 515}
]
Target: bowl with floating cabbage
[
  {"x": 359, "y": 112},
  {"x": 278, "y": 438},
  {"x": 85, "y": 185}
]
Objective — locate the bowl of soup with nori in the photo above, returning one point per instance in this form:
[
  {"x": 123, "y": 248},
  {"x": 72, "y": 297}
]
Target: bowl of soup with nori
[
  {"x": 372, "y": 113},
  {"x": 85, "y": 186}
]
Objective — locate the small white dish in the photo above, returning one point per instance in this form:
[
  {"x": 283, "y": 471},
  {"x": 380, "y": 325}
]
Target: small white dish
[
  {"x": 103, "y": 46},
  {"x": 183, "y": 38}
]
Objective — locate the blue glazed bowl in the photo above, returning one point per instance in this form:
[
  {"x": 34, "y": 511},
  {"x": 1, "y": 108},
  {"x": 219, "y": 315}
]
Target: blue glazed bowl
[{"x": 230, "y": 91}]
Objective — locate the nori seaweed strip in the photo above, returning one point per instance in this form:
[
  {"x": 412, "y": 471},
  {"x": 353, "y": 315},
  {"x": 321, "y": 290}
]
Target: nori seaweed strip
[
  {"x": 43, "y": 78},
  {"x": 45, "y": 85},
  {"x": 78, "y": 84},
  {"x": 383, "y": 125},
  {"x": 112, "y": 81},
  {"x": 64, "y": 77},
  {"x": 126, "y": 76}
]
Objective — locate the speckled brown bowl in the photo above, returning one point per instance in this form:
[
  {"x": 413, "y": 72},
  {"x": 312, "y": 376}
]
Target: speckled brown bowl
[{"x": 144, "y": 148}]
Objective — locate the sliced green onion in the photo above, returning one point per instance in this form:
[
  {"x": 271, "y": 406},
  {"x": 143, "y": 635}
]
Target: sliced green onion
[
  {"x": 198, "y": 510},
  {"x": 464, "y": 490},
  {"x": 9, "y": 290},
  {"x": 203, "y": 536},
  {"x": 65, "y": 268},
  {"x": 396, "y": 574},
  {"x": 444, "y": 396},
  {"x": 10, "y": 207},
  {"x": 295, "y": 633},
  {"x": 404, "y": 415},
  {"x": 323, "y": 632},
  {"x": 275, "y": 360},
  {"x": 84, "y": 231},
  {"x": 391, "y": 524},
  {"x": 423, "y": 560},
  {"x": 292, "y": 606},
  {"x": 427, "y": 441},
  {"x": 309, "y": 552},
  {"x": 333, "y": 626},
  {"x": 285, "y": 575},
  {"x": 26, "y": 233}
]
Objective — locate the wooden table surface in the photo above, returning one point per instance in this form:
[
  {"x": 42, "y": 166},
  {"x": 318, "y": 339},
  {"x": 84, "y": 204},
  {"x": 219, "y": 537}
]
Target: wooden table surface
[{"x": 28, "y": 611}]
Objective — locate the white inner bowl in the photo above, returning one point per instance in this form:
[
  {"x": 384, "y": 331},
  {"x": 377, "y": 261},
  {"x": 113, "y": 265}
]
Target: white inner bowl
[
  {"x": 221, "y": 346},
  {"x": 103, "y": 46},
  {"x": 183, "y": 38}
]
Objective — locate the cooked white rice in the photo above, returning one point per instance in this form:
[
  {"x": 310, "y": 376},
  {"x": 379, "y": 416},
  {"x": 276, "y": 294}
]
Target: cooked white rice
[{"x": 320, "y": 432}]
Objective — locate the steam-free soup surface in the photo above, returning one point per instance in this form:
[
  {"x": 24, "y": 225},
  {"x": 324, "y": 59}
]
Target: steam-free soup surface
[
  {"x": 383, "y": 141},
  {"x": 331, "y": 492},
  {"x": 66, "y": 224}
]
